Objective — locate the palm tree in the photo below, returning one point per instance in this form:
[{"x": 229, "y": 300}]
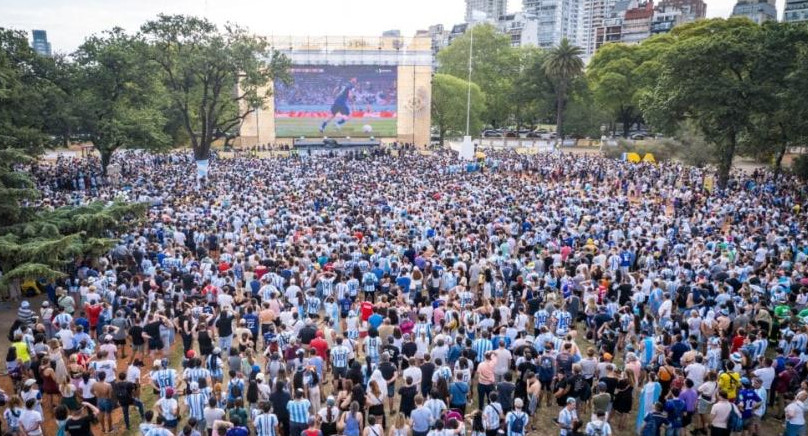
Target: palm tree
[{"x": 562, "y": 64}]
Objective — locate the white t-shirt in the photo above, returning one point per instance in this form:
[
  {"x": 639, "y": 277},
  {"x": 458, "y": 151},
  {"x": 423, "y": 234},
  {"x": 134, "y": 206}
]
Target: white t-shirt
[
  {"x": 503, "y": 361},
  {"x": 593, "y": 427},
  {"x": 665, "y": 309},
  {"x": 212, "y": 415},
  {"x": 766, "y": 376},
  {"x": 695, "y": 371},
  {"x": 413, "y": 372},
  {"x": 224, "y": 300},
  {"x": 133, "y": 374},
  {"x": 31, "y": 421}
]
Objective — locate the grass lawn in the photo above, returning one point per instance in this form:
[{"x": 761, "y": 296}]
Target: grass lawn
[{"x": 309, "y": 127}]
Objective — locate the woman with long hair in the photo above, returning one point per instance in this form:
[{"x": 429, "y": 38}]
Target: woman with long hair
[
  {"x": 400, "y": 426},
  {"x": 68, "y": 392},
  {"x": 375, "y": 400},
  {"x": 344, "y": 388},
  {"x": 350, "y": 423},
  {"x": 50, "y": 385},
  {"x": 373, "y": 428},
  {"x": 623, "y": 397}
]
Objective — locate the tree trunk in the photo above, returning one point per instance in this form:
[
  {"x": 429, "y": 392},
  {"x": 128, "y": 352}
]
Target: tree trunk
[
  {"x": 778, "y": 161},
  {"x": 202, "y": 150},
  {"x": 725, "y": 165},
  {"x": 106, "y": 157},
  {"x": 441, "y": 133},
  {"x": 626, "y": 120}
]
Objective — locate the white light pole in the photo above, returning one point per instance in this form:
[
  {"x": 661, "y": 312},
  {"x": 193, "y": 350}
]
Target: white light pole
[{"x": 468, "y": 95}]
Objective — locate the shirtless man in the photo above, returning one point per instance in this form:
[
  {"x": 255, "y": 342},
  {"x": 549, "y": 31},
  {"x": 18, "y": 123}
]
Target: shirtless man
[
  {"x": 533, "y": 395},
  {"x": 106, "y": 404}
]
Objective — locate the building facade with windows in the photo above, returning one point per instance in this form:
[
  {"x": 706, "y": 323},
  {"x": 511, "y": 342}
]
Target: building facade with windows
[
  {"x": 757, "y": 11},
  {"x": 493, "y": 9},
  {"x": 40, "y": 43},
  {"x": 556, "y": 19},
  {"x": 795, "y": 10},
  {"x": 523, "y": 29}
]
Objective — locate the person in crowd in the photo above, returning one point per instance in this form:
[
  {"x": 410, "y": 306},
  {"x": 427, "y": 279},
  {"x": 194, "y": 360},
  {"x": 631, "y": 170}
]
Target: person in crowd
[{"x": 440, "y": 287}]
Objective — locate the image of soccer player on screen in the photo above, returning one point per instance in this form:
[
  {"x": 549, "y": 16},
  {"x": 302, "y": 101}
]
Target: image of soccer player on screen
[{"x": 340, "y": 109}]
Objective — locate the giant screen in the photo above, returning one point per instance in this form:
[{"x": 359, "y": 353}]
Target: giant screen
[{"x": 337, "y": 101}]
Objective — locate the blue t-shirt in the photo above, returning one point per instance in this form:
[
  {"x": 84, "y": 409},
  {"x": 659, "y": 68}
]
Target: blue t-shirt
[
  {"x": 458, "y": 391},
  {"x": 251, "y": 321},
  {"x": 404, "y": 283},
  {"x": 748, "y": 398},
  {"x": 238, "y": 431},
  {"x": 375, "y": 320},
  {"x": 344, "y": 93}
]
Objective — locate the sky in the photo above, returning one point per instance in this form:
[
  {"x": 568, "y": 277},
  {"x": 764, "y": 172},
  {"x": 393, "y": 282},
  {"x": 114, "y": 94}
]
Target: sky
[{"x": 68, "y": 22}]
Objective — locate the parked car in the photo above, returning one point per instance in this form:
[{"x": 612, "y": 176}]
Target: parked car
[
  {"x": 492, "y": 134},
  {"x": 637, "y": 136}
]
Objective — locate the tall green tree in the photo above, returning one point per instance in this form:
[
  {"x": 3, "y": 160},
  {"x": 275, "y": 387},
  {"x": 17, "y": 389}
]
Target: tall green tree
[
  {"x": 120, "y": 98},
  {"x": 449, "y": 97},
  {"x": 707, "y": 78},
  {"x": 494, "y": 67},
  {"x": 584, "y": 117},
  {"x": 214, "y": 78},
  {"x": 38, "y": 243},
  {"x": 620, "y": 75},
  {"x": 30, "y": 94},
  {"x": 531, "y": 93},
  {"x": 562, "y": 65},
  {"x": 781, "y": 117}
]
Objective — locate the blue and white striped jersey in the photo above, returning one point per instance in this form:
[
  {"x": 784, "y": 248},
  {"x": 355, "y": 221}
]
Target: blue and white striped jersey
[
  {"x": 265, "y": 424},
  {"x": 299, "y": 411}
]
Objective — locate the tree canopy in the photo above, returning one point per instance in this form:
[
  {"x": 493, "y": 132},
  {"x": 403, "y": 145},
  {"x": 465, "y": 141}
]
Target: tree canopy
[
  {"x": 214, "y": 78},
  {"x": 494, "y": 67},
  {"x": 120, "y": 99},
  {"x": 449, "y": 98}
]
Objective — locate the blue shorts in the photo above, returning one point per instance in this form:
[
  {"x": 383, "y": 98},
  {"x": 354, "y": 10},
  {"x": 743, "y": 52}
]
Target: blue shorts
[
  {"x": 106, "y": 405},
  {"x": 340, "y": 108}
]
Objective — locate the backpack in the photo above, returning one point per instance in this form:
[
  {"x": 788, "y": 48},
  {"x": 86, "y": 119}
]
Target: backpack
[
  {"x": 581, "y": 388},
  {"x": 518, "y": 424},
  {"x": 597, "y": 430},
  {"x": 546, "y": 371},
  {"x": 665, "y": 374},
  {"x": 735, "y": 421}
]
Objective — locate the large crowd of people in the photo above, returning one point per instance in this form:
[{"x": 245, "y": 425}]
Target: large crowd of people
[{"x": 409, "y": 295}]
